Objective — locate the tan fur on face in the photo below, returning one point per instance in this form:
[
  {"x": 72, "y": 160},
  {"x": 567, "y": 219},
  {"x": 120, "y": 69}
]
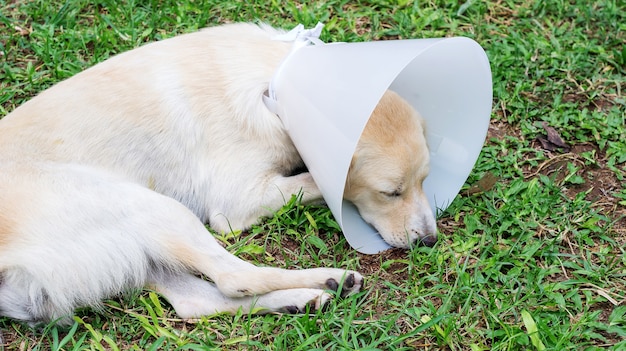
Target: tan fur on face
[{"x": 387, "y": 171}]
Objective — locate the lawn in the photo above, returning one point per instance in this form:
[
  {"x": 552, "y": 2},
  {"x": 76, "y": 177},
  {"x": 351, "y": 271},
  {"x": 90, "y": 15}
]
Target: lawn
[{"x": 531, "y": 252}]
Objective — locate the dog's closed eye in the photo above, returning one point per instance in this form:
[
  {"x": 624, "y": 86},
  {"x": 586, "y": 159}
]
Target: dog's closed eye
[{"x": 394, "y": 193}]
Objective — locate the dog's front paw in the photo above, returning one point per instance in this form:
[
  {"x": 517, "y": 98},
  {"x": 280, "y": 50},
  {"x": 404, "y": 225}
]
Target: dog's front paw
[
  {"x": 301, "y": 183},
  {"x": 350, "y": 283},
  {"x": 292, "y": 301},
  {"x": 316, "y": 303},
  {"x": 262, "y": 280}
]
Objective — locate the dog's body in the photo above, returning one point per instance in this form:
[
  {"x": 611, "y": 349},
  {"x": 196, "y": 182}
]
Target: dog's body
[{"x": 107, "y": 178}]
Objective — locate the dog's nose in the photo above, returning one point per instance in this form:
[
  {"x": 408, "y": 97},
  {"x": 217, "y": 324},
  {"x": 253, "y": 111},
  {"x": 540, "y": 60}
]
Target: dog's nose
[{"x": 429, "y": 240}]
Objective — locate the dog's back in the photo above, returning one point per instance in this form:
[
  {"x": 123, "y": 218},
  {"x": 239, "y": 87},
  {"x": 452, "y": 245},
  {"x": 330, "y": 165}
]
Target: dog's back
[{"x": 159, "y": 114}]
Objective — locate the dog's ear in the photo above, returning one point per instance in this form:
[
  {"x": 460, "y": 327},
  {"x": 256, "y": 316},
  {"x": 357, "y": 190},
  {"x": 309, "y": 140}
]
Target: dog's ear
[
  {"x": 352, "y": 169},
  {"x": 422, "y": 123}
]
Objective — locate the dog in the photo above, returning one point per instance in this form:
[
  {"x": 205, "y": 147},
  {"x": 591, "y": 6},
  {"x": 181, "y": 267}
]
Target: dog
[
  {"x": 386, "y": 173},
  {"x": 108, "y": 178}
]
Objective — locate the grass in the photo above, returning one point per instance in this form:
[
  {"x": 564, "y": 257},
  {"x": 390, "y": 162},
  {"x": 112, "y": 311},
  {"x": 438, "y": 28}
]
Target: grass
[{"x": 531, "y": 254}]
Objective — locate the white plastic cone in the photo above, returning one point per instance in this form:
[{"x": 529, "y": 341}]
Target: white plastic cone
[{"x": 325, "y": 94}]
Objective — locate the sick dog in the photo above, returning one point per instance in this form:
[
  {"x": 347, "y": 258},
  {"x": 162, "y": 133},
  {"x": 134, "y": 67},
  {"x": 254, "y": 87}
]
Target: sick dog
[{"x": 107, "y": 179}]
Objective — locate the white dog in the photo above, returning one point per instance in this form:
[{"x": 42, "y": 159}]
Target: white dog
[{"x": 107, "y": 178}]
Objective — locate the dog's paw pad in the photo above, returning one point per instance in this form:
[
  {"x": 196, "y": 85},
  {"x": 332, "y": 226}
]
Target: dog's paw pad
[
  {"x": 332, "y": 284},
  {"x": 352, "y": 283},
  {"x": 290, "y": 309},
  {"x": 349, "y": 282},
  {"x": 313, "y": 305}
]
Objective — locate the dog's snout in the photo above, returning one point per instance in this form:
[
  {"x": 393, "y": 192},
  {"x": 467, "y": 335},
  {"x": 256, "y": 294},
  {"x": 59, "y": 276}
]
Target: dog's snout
[
  {"x": 429, "y": 240},
  {"x": 426, "y": 239}
]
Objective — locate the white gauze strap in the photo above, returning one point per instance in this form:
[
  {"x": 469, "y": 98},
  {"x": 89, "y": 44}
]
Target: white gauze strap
[{"x": 300, "y": 37}]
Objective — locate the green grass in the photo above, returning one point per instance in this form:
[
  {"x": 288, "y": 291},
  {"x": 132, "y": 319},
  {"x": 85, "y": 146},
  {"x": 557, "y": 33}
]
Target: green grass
[{"x": 531, "y": 254}]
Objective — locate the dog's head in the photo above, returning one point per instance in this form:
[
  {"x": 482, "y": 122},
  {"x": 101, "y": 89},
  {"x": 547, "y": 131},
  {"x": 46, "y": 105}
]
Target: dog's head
[{"x": 386, "y": 174}]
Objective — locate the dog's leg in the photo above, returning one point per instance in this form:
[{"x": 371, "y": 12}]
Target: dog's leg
[
  {"x": 110, "y": 235},
  {"x": 182, "y": 239},
  {"x": 272, "y": 194},
  {"x": 301, "y": 183},
  {"x": 198, "y": 250},
  {"x": 193, "y": 297}
]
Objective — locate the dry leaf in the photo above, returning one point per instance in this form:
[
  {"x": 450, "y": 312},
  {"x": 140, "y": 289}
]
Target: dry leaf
[
  {"x": 483, "y": 184},
  {"x": 553, "y": 140}
]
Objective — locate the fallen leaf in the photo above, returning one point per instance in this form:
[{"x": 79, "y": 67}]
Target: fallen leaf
[
  {"x": 485, "y": 183},
  {"x": 553, "y": 141}
]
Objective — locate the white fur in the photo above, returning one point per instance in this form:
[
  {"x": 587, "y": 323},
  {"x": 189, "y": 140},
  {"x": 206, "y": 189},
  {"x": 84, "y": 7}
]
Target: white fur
[{"x": 107, "y": 178}]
